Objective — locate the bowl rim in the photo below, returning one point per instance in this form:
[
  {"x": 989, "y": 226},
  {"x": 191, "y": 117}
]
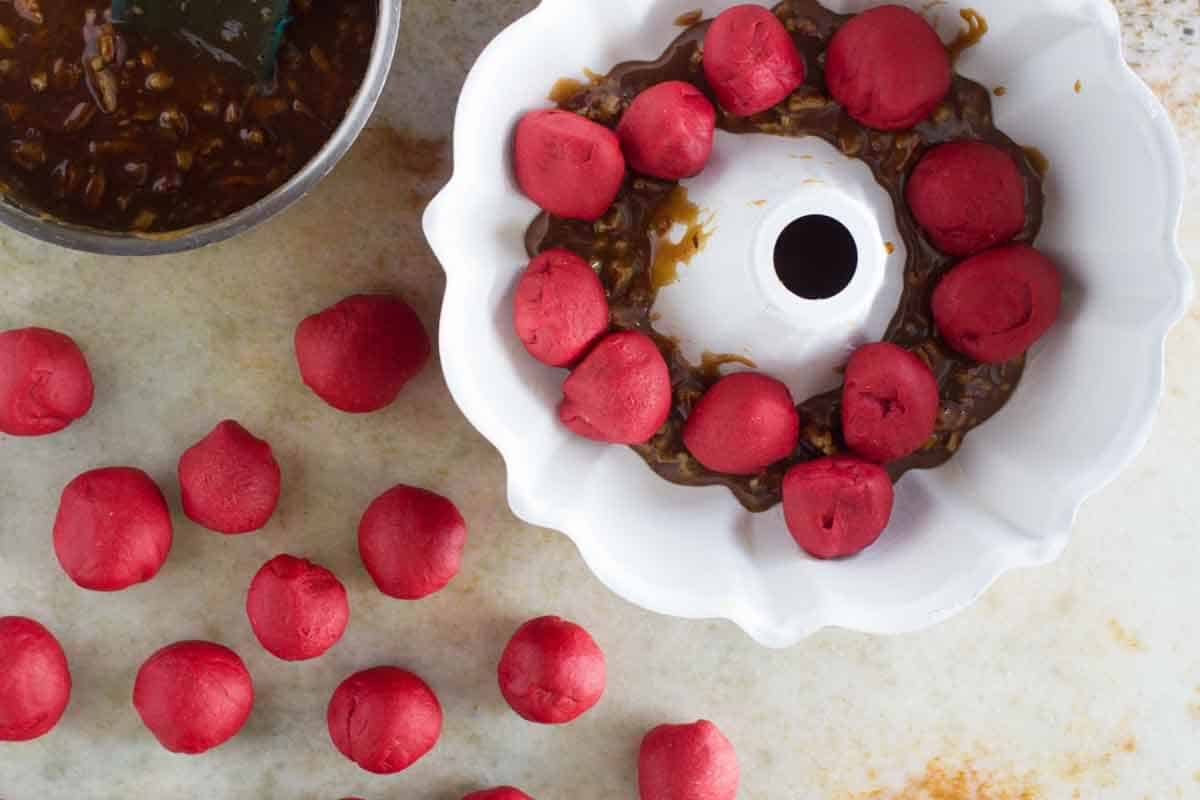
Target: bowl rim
[
  {"x": 974, "y": 580},
  {"x": 93, "y": 240}
]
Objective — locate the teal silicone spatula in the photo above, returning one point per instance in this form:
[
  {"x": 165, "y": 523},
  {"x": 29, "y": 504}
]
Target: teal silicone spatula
[{"x": 241, "y": 32}]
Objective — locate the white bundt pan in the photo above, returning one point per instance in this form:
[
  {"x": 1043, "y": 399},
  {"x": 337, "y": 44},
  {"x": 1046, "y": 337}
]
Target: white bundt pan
[{"x": 1007, "y": 500}]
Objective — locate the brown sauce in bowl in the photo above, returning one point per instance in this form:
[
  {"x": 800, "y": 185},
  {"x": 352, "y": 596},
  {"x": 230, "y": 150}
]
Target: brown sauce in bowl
[{"x": 102, "y": 128}]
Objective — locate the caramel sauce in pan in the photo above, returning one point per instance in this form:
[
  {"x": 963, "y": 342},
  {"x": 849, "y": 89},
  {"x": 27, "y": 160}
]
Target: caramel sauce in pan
[
  {"x": 621, "y": 247},
  {"x": 1038, "y": 160},
  {"x": 670, "y": 255},
  {"x": 711, "y": 364},
  {"x": 977, "y": 28},
  {"x": 564, "y": 89}
]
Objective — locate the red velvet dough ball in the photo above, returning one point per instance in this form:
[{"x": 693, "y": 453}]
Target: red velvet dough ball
[
  {"x": 687, "y": 762},
  {"x": 193, "y": 696},
  {"x": 667, "y": 131},
  {"x": 837, "y": 507},
  {"x": 750, "y": 60},
  {"x": 229, "y": 480},
  {"x": 620, "y": 393},
  {"x": 560, "y": 308},
  {"x": 359, "y": 354},
  {"x": 567, "y": 164},
  {"x": 411, "y": 542},
  {"x": 113, "y": 529},
  {"x": 45, "y": 382},
  {"x": 297, "y": 609},
  {"x": 384, "y": 719},
  {"x": 743, "y": 424},
  {"x": 967, "y": 196},
  {"x": 35, "y": 682},
  {"x": 887, "y": 68},
  {"x": 890, "y": 403},
  {"x": 993, "y": 307},
  {"x": 551, "y": 671}
]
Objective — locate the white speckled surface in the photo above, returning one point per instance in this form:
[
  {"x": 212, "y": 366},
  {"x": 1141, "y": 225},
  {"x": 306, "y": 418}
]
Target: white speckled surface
[{"x": 1079, "y": 680}]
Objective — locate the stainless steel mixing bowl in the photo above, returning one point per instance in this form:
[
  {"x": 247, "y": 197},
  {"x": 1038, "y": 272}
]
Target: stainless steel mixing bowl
[{"x": 91, "y": 240}]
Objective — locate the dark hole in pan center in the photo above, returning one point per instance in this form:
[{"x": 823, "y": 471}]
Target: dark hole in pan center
[{"x": 816, "y": 257}]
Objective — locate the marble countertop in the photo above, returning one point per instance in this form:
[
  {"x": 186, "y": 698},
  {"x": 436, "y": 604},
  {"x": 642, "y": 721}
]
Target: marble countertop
[{"x": 1077, "y": 680}]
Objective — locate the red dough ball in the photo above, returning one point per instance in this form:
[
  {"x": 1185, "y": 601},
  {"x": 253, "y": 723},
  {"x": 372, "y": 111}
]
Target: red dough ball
[
  {"x": 113, "y": 529},
  {"x": 35, "y": 683},
  {"x": 560, "y": 308},
  {"x": 193, "y": 696},
  {"x": 890, "y": 403},
  {"x": 687, "y": 762},
  {"x": 384, "y": 719},
  {"x": 45, "y": 382},
  {"x": 967, "y": 196},
  {"x": 993, "y": 307},
  {"x": 620, "y": 393},
  {"x": 551, "y": 671},
  {"x": 297, "y": 609},
  {"x": 359, "y": 354},
  {"x": 229, "y": 480},
  {"x": 837, "y": 507},
  {"x": 743, "y": 424},
  {"x": 667, "y": 132},
  {"x": 887, "y": 68},
  {"x": 750, "y": 60},
  {"x": 411, "y": 541},
  {"x": 500, "y": 793},
  {"x": 567, "y": 164}
]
